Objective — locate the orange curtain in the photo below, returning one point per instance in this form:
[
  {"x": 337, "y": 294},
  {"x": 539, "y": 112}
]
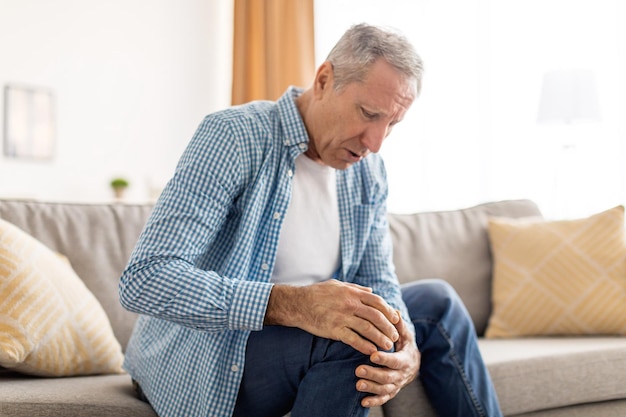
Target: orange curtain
[{"x": 273, "y": 48}]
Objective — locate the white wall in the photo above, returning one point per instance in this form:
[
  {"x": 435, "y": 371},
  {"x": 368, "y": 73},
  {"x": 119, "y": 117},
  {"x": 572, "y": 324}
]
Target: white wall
[{"x": 132, "y": 80}]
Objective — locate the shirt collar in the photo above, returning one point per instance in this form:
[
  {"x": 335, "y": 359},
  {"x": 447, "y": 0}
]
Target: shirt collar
[{"x": 294, "y": 131}]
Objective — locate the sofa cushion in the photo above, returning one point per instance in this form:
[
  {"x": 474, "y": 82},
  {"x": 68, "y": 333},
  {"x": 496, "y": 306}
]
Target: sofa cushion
[
  {"x": 94, "y": 396},
  {"x": 613, "y": 408},
  {"x": 532, "y": 375},
  {"x": 562, "y": 277},
  {"x": 453, "y": 245},
  {"x": 96, "y": 238},
  {"x": 50, "y": 324}
]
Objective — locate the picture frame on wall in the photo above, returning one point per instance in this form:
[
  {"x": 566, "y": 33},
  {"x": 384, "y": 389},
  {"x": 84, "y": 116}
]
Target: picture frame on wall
[{"x": 29, "y": 122}]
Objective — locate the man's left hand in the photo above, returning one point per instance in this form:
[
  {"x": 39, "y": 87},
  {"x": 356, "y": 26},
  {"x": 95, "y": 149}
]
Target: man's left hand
[{"x": 394, "y": 371}]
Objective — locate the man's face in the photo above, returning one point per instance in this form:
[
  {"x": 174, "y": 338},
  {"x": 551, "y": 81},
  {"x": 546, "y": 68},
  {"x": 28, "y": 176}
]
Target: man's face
[{"x": 347, "y": 125}]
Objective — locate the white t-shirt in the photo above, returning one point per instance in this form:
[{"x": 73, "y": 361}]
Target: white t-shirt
[{"x": 309, "y": 243}]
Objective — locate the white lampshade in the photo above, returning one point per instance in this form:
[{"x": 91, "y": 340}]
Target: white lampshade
[{"x": 568, "y": 96}]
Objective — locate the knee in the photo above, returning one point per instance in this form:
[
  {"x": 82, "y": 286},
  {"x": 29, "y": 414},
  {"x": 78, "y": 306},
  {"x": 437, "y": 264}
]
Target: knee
[{"x": 432, "y": 299}]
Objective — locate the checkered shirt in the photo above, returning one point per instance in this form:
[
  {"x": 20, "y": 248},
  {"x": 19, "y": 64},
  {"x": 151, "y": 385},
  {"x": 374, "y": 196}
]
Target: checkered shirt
[{"x": 200, "y": 273}]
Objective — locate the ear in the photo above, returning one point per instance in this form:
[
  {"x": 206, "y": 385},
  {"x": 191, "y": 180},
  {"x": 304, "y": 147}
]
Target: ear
[{"x": 323, "y": 79}]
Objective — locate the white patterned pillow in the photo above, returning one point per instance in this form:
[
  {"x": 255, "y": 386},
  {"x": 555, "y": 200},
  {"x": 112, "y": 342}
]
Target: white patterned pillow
[
  {"x": 50, "y": 323},
  {"x": 563, "y": 277}
]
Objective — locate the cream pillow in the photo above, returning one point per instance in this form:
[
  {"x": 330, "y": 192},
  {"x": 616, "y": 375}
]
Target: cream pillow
[
  {"x": 558, "y": 277},
  {"x": 50, "y": 323}
]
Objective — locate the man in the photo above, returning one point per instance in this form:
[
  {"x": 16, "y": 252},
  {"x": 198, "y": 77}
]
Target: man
[{"x": 264, "y": 275}]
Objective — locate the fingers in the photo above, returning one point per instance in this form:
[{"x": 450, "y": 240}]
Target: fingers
[
  {"x": 374, "y": 320},
  {"x": 378, "y": 303},
  {"x": 363, "y": 319},
  {"x": 373, "y": 325},
  {"x": 405, "y": 333},
  {"x": 382, "y": 383},
  {"x": 368, "y": 330},
  {"x": 336, "y": 310},
  {"x": 391, "y": 371},
  {"x": 357, "y": 342}
]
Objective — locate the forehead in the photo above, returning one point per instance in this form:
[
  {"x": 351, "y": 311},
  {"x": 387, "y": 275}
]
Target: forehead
[{"x": 385, "y": 89}]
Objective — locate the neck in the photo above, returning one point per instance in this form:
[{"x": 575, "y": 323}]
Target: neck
[{"x": 303, "y": 104}]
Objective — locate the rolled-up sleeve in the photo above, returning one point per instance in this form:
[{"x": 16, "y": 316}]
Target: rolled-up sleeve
[{"x": 176, "y": 271}]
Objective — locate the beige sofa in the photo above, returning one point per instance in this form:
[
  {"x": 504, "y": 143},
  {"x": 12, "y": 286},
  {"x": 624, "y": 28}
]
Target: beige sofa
[{"x": 583, "y": 376}]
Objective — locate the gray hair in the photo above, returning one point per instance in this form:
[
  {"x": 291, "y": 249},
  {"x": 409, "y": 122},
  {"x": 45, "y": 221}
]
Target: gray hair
[{"x": 363, "y": 44}]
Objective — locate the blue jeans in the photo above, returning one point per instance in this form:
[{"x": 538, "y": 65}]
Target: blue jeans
[
  {"x": 288, "y": 369},
  {"x": 452, "y": 371}
]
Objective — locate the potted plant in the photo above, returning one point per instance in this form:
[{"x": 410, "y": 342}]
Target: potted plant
[{"x": 119, "y": 185}]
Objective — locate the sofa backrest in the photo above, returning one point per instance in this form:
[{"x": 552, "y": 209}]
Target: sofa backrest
[
  {"x": 96, "y": 238},
  {"x": 454, "y": 246}
]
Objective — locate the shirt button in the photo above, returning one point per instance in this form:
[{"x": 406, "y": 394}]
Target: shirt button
[
  {"x": 234, "y": 368},
  {"x": 276, "y": 216},
  {"x": 265, "y": 267},
  {"x": 286, "y": 142},
  {"x": 290, "y": 173},
  {"x": 302, "y": 146}
]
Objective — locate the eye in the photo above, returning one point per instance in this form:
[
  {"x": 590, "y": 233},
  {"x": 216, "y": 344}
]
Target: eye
[{"x": 368, "y": 115}]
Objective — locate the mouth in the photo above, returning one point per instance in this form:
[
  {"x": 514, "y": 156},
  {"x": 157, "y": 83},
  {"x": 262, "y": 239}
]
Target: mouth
[{"x": 354, "y": 156}]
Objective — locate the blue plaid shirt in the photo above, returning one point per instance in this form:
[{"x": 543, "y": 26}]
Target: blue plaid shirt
[{"x": 200, "y": 273}]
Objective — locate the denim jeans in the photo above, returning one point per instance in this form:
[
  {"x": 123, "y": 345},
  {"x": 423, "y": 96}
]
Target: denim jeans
[
  {"x": 452, "y": 370},
  {"x": 288, "y": 369}
]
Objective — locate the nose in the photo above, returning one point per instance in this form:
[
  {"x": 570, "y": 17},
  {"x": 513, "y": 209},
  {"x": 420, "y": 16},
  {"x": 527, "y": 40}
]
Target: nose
[{"x": 373, "y": 137}]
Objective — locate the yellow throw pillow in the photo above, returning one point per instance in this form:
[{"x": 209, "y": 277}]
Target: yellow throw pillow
[
  {"x": 50, "y": 323},
  {"x": 563, "y": 277}
]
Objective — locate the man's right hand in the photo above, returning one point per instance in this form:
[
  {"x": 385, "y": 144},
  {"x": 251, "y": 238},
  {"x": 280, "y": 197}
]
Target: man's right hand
[{"x": 336, "y": 310}]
